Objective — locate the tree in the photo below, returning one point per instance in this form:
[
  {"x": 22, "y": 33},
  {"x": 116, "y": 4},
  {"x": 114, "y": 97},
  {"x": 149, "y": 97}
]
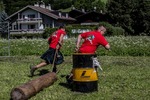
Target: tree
[
  {"x": 1, "y": 6},
  {"x": 99, "y": 6},
  {"x": 90, "y": 5},
  {"x": 3, "y": 16},
  {"x": 14, "y": 5},
  {"x": 132, "y": 15},
  {"x": 82, "y": 4},
  {"x": 119, "y": 11},
  {"x": 62, "y": 4},
  {"x": 141, "y": 17}
]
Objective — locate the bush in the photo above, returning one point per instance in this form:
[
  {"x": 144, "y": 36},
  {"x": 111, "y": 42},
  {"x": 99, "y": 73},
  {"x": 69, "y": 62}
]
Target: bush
[
  {"x": 26, "y": 35},
  {"x": 69, "y": 30},
  {"x": 75, "y": 30},
  {"x": 111, "y": 30},
  {"x": 48, "y": 31},
  {"x": 118, "y": 31}
]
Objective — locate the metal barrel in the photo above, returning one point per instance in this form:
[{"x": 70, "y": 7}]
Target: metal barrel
[{"x": 85, "y": 76}]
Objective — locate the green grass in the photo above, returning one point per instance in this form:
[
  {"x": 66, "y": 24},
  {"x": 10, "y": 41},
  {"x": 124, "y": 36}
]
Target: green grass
[{"x": 123, "y": 78}]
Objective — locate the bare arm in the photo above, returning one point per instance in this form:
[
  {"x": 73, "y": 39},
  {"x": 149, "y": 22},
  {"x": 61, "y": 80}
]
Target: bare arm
[
  {"x": 107, "y": 46},
  {"x": 78, "y": 43},
  {"x": 60, "y": 41},
  {"x": 61, "y": 38}
]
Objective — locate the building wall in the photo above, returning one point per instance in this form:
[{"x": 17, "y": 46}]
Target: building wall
[
  {"x": 29, "y": 12},
  {"x": 50, "y": 22},
  {"x": 47, "y": 21}
]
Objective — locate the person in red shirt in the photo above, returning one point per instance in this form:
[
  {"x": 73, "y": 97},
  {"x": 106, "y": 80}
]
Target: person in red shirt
[
  {"x": 91, "y": 41},
  {"x": 53, "y": 54}
]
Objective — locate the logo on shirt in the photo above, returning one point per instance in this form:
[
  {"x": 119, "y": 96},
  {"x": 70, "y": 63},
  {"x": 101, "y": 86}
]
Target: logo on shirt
[{"x": 90, "y": 38}]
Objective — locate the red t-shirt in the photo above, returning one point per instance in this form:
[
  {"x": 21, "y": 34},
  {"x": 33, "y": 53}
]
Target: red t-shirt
[
  {"x": 54, "y": 38},
  {"x": 91, "y": 42}
]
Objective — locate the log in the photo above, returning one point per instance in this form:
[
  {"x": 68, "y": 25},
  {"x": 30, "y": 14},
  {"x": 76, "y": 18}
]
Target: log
[{"x": 31, "y": 88}]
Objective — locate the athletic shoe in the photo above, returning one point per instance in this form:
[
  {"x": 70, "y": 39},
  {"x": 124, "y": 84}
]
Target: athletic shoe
[{"x": 32, "y": 70}]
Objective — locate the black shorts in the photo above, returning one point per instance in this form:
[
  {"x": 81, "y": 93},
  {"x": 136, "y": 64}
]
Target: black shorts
[{"x": 48, "y": 56}]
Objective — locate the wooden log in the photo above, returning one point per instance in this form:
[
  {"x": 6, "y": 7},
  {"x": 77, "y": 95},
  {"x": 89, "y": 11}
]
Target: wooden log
[{"x": 31, "y": 88}]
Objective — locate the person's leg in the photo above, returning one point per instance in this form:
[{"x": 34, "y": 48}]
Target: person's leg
[
  {"x": 96, "y": 63},
  {"x": 33, "y": 68},
  {"x": 41, "y": 65}
]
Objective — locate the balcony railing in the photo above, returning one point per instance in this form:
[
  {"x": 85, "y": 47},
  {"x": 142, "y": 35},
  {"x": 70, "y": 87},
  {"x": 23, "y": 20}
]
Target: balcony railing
[
  {"x": 29, "y": 20},
  {"x": 27, "y": 31}
]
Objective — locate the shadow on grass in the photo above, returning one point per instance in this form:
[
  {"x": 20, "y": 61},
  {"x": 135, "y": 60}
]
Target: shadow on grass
[
  {"x": 64, "y": 85},
  {"x": 67, "y": 84},
  {"x": 41, "y": 72}
]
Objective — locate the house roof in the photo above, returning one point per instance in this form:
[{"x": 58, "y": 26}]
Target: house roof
[
  {"x": 91, "y": 16},
  {"x": 75, "y": 13},
  {"x": 51, "y": 13}
]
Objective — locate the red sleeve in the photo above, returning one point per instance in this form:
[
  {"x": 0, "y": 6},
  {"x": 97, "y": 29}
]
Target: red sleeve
[
  {"x": 62, "y": 32},
  {"x": 103, "y": 41},
  {"x": 84, "y": 35}
]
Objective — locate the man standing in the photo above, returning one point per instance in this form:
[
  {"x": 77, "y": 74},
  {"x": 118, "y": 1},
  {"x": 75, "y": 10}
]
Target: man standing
[{"x": 53, "y": 54}]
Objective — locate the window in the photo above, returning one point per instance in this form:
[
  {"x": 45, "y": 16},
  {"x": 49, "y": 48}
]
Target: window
[
  {"x": 15, "y": 27},
  {"x": 31, "y": 16},
  {"x": 31, "y": 26},
  {"x": 23, "y": 16}
]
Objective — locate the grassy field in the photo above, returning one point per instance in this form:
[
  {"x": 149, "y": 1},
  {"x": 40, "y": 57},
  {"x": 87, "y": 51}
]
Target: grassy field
[{"x": 123, "y": 78}]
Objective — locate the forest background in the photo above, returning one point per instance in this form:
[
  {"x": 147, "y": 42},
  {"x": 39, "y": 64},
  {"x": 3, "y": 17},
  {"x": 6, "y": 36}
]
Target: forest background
[{"x": 131, "y": 15}]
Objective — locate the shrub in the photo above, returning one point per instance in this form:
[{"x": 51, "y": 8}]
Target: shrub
[
  {"x": 73, "y": 31},
  {"x": 118, "y": 31},
  {"x": 111, "y": 30},
  {"x": 26, "y": 35},
  {"x": 48, "y": 31}
]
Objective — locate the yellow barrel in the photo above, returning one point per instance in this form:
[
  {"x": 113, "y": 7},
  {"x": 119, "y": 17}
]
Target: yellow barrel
[
  {"x": 84, "y": 74},
  {"x": 85, "y": 77}
]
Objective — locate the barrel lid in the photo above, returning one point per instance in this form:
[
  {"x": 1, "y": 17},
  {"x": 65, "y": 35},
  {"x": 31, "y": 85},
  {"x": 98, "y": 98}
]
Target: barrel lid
[{"x": 84, "y": 54}]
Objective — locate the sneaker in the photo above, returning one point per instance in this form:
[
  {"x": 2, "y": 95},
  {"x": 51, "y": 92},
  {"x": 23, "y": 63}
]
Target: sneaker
[{"x": 32, "y": 70}]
